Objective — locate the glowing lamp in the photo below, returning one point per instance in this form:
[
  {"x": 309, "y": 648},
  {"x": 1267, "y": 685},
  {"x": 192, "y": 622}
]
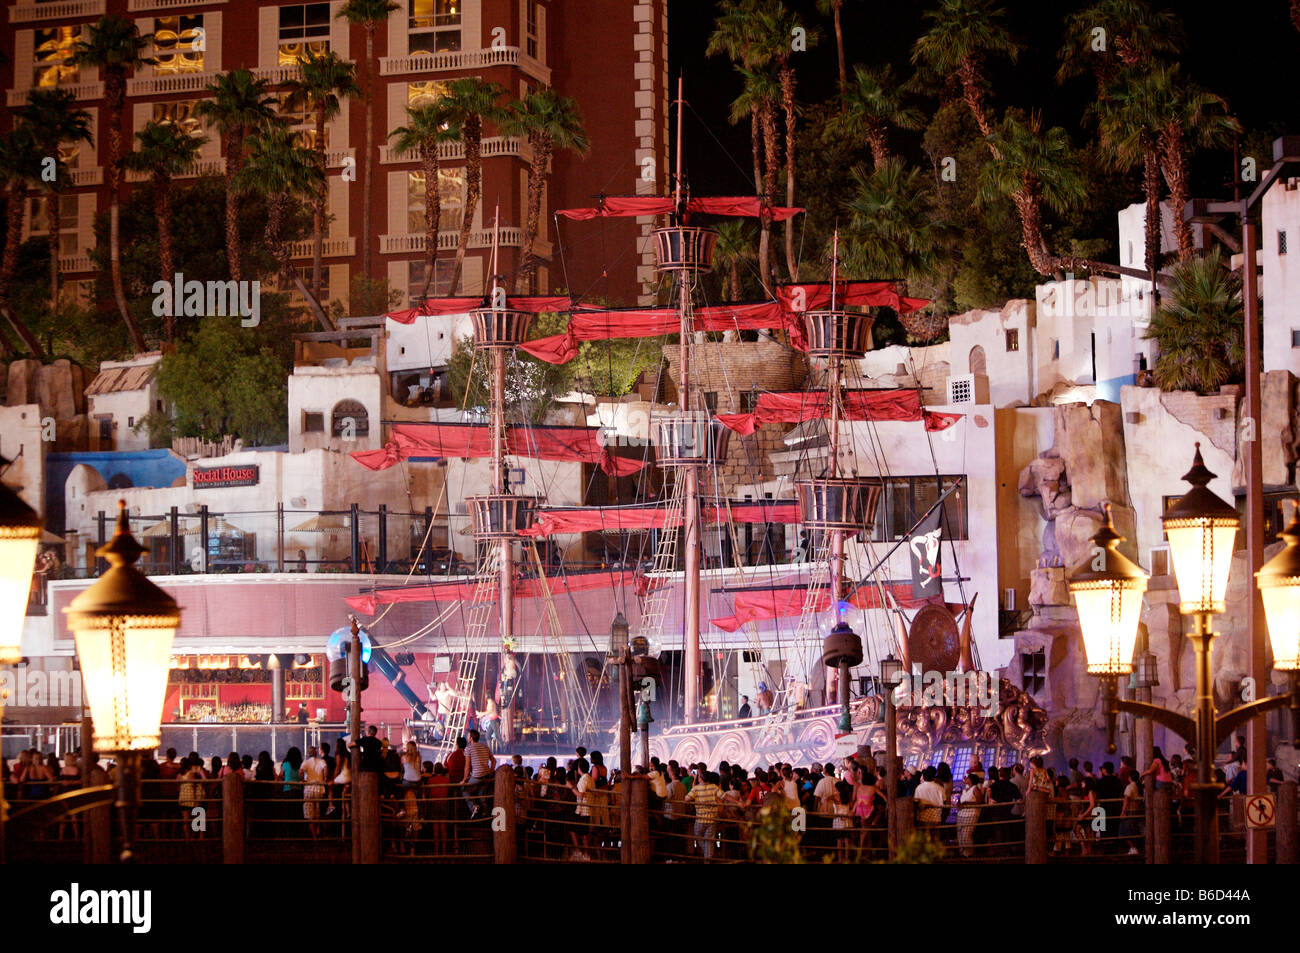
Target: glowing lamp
[
  {"x": 618, "y": 633},
  {"x": 124, "y": 626},
  {"x": 1279, "y": 585},
  {"x": 1202, "y": 530},
  {"x": 20, "y": 535},
  {"x": 1107, "y": 591},
  {"x": 891, "y": 670}
]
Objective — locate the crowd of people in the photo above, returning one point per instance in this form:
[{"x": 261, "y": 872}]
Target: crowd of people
[{"x": 571, "y": 810}]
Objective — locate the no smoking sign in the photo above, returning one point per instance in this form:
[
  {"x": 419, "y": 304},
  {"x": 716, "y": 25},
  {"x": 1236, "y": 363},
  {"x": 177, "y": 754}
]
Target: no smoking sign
[{"x": 1261, "y": 811}]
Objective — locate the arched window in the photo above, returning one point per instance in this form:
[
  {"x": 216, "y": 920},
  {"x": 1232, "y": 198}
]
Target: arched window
[
  {"x": 349, "y": 419},
  {"x": 978, "y": 363}
]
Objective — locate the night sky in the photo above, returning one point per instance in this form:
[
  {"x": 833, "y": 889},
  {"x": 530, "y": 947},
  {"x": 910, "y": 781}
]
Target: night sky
[{"x": 1248, "y": 59}]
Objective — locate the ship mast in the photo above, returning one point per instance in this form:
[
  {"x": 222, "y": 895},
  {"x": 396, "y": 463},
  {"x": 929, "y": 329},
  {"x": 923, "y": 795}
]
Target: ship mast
[
  {"x": 691, "y": 502},
  {"x": 505, "y": 565}
]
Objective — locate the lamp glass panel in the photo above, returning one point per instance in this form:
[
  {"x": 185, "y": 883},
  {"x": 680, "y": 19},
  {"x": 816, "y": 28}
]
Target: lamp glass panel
[
  {"x": 17, "y": 561},
  {"x": 1108, "y": 617},
  {"x": 125, "y": 673},
  {"x": 1282, "y": 610},
  {"x": 1202, "y": 557}
]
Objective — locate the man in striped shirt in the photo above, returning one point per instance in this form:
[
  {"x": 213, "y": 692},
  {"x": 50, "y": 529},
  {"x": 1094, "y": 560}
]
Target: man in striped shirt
[
  {"x": 480, "y": 764},
  {"x": 707, "y": 797}
]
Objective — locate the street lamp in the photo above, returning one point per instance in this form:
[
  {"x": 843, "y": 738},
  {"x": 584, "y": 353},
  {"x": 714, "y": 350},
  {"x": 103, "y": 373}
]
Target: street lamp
[
  {"x": 891, "y": 670},
  {"x": 1279, "y": 585},
  {"x": 618, "y": 633},
  {"x": 842, "y": 649},
  {"x": 20, "y": 535},
  {"x": 1108, "y": 595},
  {"x": 124, "y": 626}
]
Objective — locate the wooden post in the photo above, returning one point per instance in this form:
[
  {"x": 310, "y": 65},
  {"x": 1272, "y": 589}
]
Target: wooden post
[
  {"x": 1035, "y": 827},
  {"x": 1160, "y": 832},
  {"x": 232, "y": 819},
  {"x": 1149, "y": 810},
  {"x": 503, "y": 830},
  {"x": 637, "y": 793},
  {"x": 99, "y": 820},
  {"x": 904, "y": 821},
  {"x": 367, "y": 816},
  {"x": 1287, "y": 841}
]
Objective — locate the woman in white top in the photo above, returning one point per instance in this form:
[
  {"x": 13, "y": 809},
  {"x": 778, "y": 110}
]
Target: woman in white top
[{"x": 968, "y": 813}]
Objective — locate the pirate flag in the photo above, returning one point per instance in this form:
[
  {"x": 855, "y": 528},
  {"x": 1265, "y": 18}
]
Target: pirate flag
[{"x": 923, "y": 548}]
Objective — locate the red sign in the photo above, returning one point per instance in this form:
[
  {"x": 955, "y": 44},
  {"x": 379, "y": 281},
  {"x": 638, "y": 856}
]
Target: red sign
[{"x": 213, "y": 477}]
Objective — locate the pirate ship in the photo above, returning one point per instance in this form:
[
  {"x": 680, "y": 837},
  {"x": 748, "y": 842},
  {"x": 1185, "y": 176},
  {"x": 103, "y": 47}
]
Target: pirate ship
[{"x": 522, "y": 620}]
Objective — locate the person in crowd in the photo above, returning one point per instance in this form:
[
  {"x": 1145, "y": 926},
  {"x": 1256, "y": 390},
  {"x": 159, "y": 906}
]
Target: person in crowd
[
  {"x": 743, "y": 711},
  {"x": 929, "y": 799},
  {"x": 480, "y": 765},
  {"x": 1159, "y": 769},
  {"x": 315, "y": 775},
  {"x": 1131, "y": 813},
  {"x": 190, "y": 796},
  {"x": 968, "y": 813},
  {"x": 706, "y": 796}
]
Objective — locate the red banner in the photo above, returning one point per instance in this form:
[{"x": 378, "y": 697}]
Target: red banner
[
  {"x": 789, "y": 407},
  {"x": 756, "y": 604},
  {"x": 475, "y": 440},
  {"x": 369, "y": 603}
]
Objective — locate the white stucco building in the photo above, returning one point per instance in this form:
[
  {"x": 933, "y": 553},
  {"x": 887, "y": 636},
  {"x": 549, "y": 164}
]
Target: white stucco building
[{"x": 118, "y": 399}]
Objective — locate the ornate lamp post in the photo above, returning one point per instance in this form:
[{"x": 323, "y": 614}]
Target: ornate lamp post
[
  {"x": 842, "y": 649},
  {"x": 1279, "y": 584},
  {"x": 124, "y": 626},
  {"x": 645, "y": 669},
  {"x": 618, "y": 632},
  {"x": 20, "y": 535},
  {"x": 1201, "y": 530},
  {"x": 890, "y": 671}
]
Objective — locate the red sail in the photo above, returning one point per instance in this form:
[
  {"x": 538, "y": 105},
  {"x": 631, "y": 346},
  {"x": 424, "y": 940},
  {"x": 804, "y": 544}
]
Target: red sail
[
  {"x": 437, "y": 306},
  {"x": 790, "y": 407},
  {"x": 369, "y": 603},
  {"x": 621, "y": 206},
  {"x": 754, "y": 605},
  {"x": 475, "y": 440},
  {"x": 585, "y": 519}
]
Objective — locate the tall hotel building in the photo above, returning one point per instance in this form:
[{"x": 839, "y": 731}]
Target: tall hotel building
[{"x": 609, "y": 55}]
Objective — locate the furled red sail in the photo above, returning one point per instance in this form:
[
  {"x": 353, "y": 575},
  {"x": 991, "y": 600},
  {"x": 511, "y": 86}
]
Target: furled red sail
[
  {"x": 752, "y": 605},
  {"x": 531, "y": 588},
  {"x": 585, "y": 519},
  {"x": 475, "y": 440},
  {"x": 792, "y": 407},
  {"x": 537, "y": 304}
]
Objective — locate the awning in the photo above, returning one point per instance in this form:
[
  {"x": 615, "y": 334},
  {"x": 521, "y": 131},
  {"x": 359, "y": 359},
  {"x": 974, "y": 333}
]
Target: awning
[{"x": 621, "y": 206}]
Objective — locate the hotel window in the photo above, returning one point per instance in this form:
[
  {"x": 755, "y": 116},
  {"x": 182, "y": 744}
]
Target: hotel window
[
  {"x": 302, "y": 122},
  {"x": 1295, "y": 337},
  {"x": 52, "y": 55},
  {"x": 1281, "y": 241},
  {"x": 1033, "y": 671},
  {"x": 180, "y": 114},
  {"x": 177, "y": 45},
  {"x": 304, "y": 273},
  {"x": 313, "y": 423},
  {"x": 303, "y": 29},
  {"x": 443, "y": 269},
  {"x": 1013, "y": 339},
  {"x": 40, "y": 219},
  {"x": 530, "y": 28},
  {"x": 1056, "y": 350},
  {"x": 435, "y": 26},
  {"x": 350, "y": 419},
  {"x": 426, "y": 93},
  {"x": 451, "y": 191}
]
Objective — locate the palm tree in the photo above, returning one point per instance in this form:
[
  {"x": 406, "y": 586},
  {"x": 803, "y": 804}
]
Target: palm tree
[
  {"x": 20, "y": 162},
  {"x": 368, "y": 14},
  {"x": 891, "y": 230},
  {"x": 323, "y": 80},
  {"x": 428, "y": 127},
  {"x": 962, "y": 36},
  {"x": 284, "y": 172},
  {"x": 734, "y": 247},
  {"x": 777, "y": 26},
  {"x": 1194, "y": 118},
  {"x": 1133, "y": 33},
  {"x": 1036, "y": 170},
  {"x": 872, "y": 103},
  {"x": 1129, "y": 128},
  {"x": 736, "y": 35},
  {"x": 758, "y": 101},
  {"x": 240, "y": 105},
  {"x": 470, "y": 103},
  {"x": 165, "y": 151},
  {"x": 550, "y": 122},
  {"x": 833, "y": 8},
  {"x": 115, "y": 47},
  {"x": 1200, "y": 331},
  {"x": 55, "y": 119}
]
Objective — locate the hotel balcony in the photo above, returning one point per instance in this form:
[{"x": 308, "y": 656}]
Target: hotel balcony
[
  {"x": 465, "y": 60},
  {"x": 170, "y": 83},
  {"x": 215, "y": 166},
  {"x": 447, "y": 240},
  {"x": 138, "y": 5},
  {"x": 492, "y": 147},
  {"x": 330, "y": 248},
  {"x": 18, "y": 97},
  {"x": 62, "y": 10}
]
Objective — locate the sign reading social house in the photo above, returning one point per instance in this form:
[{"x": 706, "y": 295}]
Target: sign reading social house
[{"x": 214, "y": 477}]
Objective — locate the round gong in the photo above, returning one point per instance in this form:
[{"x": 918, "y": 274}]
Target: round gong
[{"x": 933, "y": 641}]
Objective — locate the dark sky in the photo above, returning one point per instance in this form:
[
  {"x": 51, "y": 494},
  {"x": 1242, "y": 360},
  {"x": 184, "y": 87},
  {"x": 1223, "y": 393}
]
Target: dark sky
[{"x": 1249, "y": 59}]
